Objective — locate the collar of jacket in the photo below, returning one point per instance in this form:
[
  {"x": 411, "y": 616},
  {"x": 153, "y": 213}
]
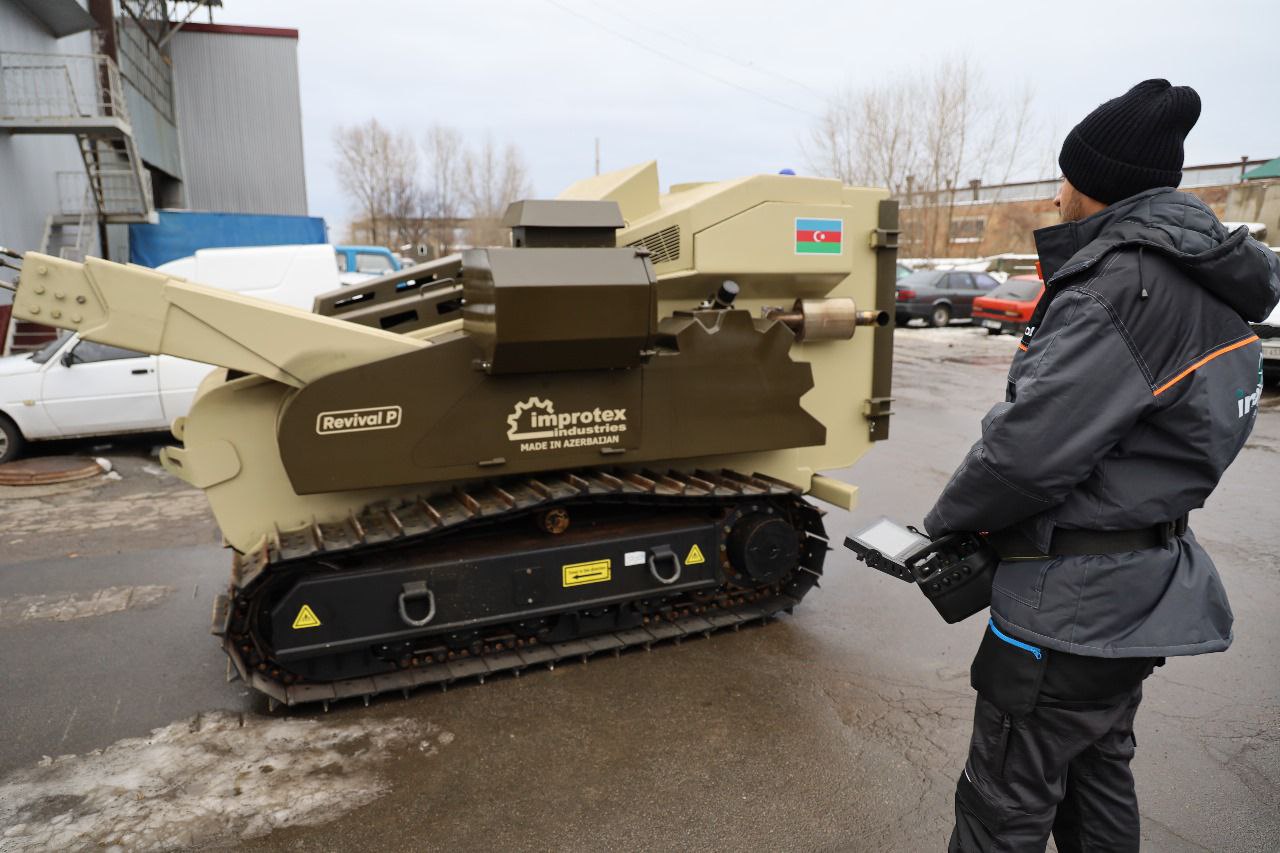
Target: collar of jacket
[{"x": 1062, "y": 248}]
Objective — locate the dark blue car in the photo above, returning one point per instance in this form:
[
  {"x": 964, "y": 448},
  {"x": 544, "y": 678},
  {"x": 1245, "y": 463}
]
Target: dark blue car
[{"x": 940, "y": 296}]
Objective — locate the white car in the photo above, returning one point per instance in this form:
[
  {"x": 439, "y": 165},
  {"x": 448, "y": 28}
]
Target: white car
[
  {"x": 76, "y": 388},
  {"x": 73, "y": 387},
  {"x": 1269, "y": 331}
]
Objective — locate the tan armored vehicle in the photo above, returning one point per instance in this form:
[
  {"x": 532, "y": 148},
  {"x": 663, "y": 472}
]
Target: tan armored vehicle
[{"x": 595, "y": 438}]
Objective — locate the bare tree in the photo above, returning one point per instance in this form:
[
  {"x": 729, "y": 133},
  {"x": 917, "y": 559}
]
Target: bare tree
[
  {"x": 921, "y": 136},
  {"x": 868, "y": 136},
  {"x": 1011, "y": 133},
  {"x": 379, "y": 168},
  {"x": 466, "y": 189},
  {"x": 446, "y": 154},
  {"x": 492, "y": 180}
]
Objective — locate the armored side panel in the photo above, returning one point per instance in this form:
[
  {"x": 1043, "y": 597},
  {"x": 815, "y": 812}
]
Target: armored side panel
[{"x": 454, "y": 422}]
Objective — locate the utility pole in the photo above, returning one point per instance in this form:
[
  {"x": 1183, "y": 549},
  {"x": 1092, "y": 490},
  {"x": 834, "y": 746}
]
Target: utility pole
[{"x": 597, "y": 155}]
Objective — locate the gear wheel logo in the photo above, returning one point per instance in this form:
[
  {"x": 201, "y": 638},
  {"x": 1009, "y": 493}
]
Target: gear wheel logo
[{"x": 534, "y": 406}]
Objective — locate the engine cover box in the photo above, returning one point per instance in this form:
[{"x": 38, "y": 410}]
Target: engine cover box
[{"x": 547, "y": 310}]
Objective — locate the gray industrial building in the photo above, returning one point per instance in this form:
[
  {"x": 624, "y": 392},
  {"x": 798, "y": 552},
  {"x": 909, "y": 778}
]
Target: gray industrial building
[
  {"x": 112, "y": 109},
  {"x": 239, "y": 119}
]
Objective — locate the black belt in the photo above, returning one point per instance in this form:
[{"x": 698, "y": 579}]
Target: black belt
[{"x": 1078, "y": 543}]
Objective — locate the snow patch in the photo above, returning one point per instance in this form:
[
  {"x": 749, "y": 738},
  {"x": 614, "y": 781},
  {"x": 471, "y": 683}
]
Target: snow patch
[
  {"x": 63, "y": 608},
  {"x": 219, "y": 776}
]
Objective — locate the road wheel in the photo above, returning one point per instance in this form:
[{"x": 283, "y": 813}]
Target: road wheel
[
  {"x": 995, "y": 331},
  {"x": 11, "y": 441},
  {"x": 940, "y": 316}
]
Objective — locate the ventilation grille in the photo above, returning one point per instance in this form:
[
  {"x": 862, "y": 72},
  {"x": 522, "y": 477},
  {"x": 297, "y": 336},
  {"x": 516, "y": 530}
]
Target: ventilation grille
[{"x": 663, "y": 246}]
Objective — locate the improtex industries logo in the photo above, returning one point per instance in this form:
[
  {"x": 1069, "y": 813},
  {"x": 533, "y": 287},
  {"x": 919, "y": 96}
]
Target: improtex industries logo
[
  {"x": 358, "y": 420},
  {"x": 536, "y": 425}
]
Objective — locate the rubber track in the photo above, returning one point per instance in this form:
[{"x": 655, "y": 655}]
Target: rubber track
[{"x": 425, "y": 520}]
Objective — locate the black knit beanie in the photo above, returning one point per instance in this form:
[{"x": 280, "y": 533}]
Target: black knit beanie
[{"x": 1131, "y": 143}]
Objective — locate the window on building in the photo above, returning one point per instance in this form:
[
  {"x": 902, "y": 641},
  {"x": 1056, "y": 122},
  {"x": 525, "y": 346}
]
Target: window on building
[
  {"x": 911, "y": 232},
  {"x": 967, "y": 229}
]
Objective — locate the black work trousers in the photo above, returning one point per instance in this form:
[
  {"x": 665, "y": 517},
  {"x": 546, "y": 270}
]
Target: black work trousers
[{"x": 1060, "y": 767}]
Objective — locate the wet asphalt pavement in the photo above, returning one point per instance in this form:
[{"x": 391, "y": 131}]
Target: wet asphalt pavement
[{"x": 842, "y": 727}]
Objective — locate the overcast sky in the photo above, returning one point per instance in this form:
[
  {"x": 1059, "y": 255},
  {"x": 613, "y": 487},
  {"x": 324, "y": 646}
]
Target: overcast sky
[{"x": 715, "y": 89}]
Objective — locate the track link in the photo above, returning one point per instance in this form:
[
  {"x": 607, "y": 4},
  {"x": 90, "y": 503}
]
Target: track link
[{"x": 424, "y": 522}]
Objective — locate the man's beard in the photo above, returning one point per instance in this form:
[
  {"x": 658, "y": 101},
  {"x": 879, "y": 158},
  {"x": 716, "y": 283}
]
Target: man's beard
[{"x": 1072, "y": 208}]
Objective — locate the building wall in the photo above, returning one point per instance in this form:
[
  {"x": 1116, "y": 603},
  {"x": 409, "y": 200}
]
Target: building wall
[
  {"x": 29, "y": 164},
  {"x": 1257, "y": 201},
  {"x": 148, "y": 91},
  {"x": 971, "y": 229},
  {"x": 239, "y": 117}
]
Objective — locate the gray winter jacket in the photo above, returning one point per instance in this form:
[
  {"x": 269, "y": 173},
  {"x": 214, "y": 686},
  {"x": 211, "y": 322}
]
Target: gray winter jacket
[{"x": 1134, "y": 387}]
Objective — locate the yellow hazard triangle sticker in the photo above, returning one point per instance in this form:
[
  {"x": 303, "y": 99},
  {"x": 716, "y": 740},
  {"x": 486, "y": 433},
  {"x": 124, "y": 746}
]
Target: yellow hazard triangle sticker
[
  {"x": 695, "y": 556},
  {"x": 306, "y": 618}
]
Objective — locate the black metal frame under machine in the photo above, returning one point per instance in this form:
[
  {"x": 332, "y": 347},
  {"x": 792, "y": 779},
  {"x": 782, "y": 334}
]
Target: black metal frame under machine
[{"x": 954, "y": 571}]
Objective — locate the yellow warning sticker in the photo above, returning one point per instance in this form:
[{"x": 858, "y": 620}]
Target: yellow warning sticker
[
  {"x": 695, "y": 556},
  {"x": 595, "y": 571},
  {"x": 306, "y": 618}
]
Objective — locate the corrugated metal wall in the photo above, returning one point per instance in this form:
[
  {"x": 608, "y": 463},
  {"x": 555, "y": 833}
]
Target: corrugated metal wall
[{"x": 240, "y": 122}]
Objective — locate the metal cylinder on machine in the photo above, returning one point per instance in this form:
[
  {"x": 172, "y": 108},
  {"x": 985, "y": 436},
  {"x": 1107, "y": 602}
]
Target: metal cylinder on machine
[
  {"x": 826, "y": 319},
  {"x": 725, "y": 295}
]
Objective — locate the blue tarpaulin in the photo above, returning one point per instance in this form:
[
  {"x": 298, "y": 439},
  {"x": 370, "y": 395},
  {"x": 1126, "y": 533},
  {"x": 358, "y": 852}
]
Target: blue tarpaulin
[{"x": 180, "y": 232}]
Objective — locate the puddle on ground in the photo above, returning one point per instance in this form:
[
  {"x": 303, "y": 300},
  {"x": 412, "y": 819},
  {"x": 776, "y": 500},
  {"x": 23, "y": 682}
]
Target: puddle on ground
[{"x": 216, "y": 778}]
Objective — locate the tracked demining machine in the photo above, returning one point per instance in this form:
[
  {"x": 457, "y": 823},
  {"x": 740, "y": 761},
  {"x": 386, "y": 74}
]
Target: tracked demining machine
[{"x": 599, "y": 437}]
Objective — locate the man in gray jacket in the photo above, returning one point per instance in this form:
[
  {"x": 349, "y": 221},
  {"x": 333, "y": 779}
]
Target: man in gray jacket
[{"x": 1135, "y": 386}]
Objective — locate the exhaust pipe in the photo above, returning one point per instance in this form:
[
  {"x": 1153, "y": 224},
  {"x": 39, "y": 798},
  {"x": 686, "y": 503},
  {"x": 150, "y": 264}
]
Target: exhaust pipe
[{"x": 826, "y": 319}]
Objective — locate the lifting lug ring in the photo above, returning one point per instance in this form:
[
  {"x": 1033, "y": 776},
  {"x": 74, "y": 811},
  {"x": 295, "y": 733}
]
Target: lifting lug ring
[
  {"x": 412, "y": 592},
  {"x": 663, "y": 552}
]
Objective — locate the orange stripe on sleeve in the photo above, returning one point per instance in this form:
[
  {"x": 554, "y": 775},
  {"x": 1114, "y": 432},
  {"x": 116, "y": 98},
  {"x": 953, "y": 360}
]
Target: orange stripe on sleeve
[
  {"x": 1201, "y": 363},
  {"x": 1022, "y": 347}
]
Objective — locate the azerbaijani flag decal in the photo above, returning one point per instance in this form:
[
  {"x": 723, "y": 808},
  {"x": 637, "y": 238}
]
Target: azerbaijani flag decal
[{"x": 819, "y": 236}]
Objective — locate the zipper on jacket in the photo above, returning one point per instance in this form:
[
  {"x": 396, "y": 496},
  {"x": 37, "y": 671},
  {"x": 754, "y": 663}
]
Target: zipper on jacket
[{"x": 1026, "y": 647}]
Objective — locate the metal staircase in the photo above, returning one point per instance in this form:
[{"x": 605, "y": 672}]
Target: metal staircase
[
  {"x": 80, "y": 95},
  {"x": 71, "y": 232}
]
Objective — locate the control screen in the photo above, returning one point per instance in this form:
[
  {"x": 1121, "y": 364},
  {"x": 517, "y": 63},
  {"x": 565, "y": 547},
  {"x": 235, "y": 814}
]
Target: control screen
[{"x": 891, "y": 540}]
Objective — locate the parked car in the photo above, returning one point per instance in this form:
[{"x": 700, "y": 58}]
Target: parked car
[
  {"x": 73, "y": 388},
  {"x": 357, "y": 264},
  {"x": 939, "y": 296},
  {"x": 1008, "y": 308}
]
